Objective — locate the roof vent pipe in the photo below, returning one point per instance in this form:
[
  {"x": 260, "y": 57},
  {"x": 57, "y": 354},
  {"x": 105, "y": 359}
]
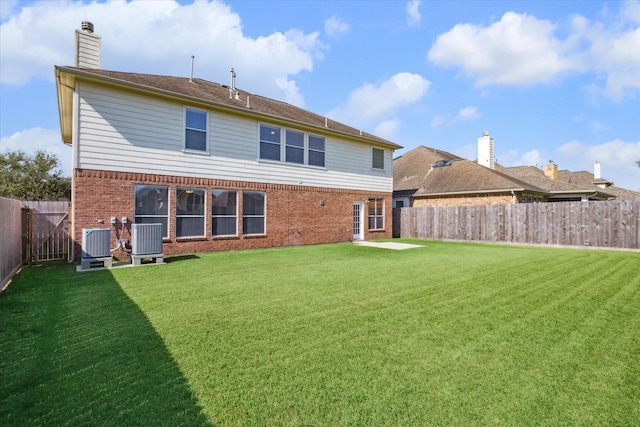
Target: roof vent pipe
[
  {"x": 232, "y": 85},
  {"x": 191, "y": 74},
  {"x": 87, "y": 26}
]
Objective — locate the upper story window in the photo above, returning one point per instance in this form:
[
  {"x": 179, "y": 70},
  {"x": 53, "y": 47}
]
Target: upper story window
[
  {"x": 377, "y": 158},
  {"x": 269, "y": 142},
  {"x": 296, "y": 146},
  {"x": 152, "y": 206},
  {"x": 316, "y": 150},
  {"x": 195, "y": 130}
]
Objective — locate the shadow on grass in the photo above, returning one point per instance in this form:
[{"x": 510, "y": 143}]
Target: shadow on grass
[
  {"x": 76, "y": 350},
  {"x": 175, "y": 258}
]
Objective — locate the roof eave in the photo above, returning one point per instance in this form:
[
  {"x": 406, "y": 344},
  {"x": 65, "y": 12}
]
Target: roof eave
[
  {"x": 219, "y": 106},
  {"x": 460, "y": 193},
  {"x": 65, "y": 88}
]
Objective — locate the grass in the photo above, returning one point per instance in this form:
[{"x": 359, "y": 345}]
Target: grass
[{"x": 452, "y": 333}]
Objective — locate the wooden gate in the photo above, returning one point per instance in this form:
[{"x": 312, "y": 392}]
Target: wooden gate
[{"x": 46, "y": 226}]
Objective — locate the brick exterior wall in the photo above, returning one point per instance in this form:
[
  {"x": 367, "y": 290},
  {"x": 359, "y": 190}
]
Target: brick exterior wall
[
  {"x": 294, "y": 215},
  {"x": 489, "y": 199}
]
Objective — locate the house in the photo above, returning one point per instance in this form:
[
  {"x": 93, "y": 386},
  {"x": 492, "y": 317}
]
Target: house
[
  {"x": 220, "y": 168},
  {"x": 429, "y": 177},
  {"x": 595, "y": 179}
]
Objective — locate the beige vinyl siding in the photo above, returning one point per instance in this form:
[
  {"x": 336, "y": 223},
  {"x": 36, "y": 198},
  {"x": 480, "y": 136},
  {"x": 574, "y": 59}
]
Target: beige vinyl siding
[{"x": 123, "y": 132}]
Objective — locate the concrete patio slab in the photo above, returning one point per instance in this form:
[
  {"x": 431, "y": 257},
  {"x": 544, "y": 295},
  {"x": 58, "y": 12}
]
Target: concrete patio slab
[{"x": 388, "y": 245}]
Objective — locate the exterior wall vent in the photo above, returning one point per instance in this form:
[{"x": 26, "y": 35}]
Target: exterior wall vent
[
  {"x": 146, "y": 239},
  {"x": 96, "y": 243}
]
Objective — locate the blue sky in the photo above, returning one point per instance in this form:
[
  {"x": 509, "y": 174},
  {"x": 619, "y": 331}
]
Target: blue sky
[{"x": 550, "y": 80}]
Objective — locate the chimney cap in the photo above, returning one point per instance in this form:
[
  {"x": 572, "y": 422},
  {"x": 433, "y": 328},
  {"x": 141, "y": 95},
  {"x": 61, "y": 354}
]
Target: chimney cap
[
  {"x": 87, "y": 26},
  {"x": 485, "y": 133}
]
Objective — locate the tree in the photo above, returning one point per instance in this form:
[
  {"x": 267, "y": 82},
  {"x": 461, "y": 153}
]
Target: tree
[
  {"x": 638, "y": 163},
  {"x": 36, "y": 177}
]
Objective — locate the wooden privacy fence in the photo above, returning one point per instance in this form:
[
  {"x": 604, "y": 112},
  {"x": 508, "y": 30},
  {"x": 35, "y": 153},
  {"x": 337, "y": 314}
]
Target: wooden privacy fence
[
  {"x": 10, "y": 239},
  {"x": 46, "y": 226},
  {"x": 32, "y": 232},
  {"x": 610, "y": 224}
]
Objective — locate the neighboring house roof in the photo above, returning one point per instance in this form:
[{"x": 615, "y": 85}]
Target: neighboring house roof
[
  {"x": 205, "y": 93},
  {"x": 585, "y": 178},
  {"x": 426, "y": 172},
  {"x": 558, "y": 188}
]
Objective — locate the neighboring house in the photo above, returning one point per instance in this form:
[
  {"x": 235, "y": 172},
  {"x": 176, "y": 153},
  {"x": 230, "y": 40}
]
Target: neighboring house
[
  {"x": 429, "y": 177},
  {"x": 557, "y": 190},
  {"x": 219, "y": 167},
  {"x": 595, "y": 179}
]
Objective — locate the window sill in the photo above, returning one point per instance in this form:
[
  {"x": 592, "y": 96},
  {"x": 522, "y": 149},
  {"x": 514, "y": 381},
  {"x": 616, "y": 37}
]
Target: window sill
[
  {"x": 191, "y": 239},
  {"x": 225, "y": 237},
  {"x": 291, "y": 164},
  {"x": 197, "y": 152},
  {"x": 254, "y": 236}
]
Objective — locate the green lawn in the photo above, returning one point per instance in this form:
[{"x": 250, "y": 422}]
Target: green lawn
[{"x": 446, "y": 334}]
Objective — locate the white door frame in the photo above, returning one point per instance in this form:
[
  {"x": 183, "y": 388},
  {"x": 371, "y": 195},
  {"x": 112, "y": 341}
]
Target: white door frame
[{"x": 358, "y": 220}]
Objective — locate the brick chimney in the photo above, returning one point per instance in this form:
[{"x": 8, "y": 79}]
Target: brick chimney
[
  {"x": 551, "y": 170},
  {"x": 87, "y": 47}
]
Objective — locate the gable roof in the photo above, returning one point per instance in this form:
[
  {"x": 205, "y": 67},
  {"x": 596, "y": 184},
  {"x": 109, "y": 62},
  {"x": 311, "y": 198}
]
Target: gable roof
[
  {"x": 205, "y": 94},
  {"x": 585, "y": 178},
  {"x": 417, "y": 173},
  {"x": 557, "y": 187}
]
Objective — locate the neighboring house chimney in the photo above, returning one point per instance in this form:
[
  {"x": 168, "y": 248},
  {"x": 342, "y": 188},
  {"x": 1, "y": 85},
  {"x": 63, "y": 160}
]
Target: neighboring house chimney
[
  {"x": 551, "y": 170},
  {"x": 485, "y": 151},
  {"x": 87, "y": 47},
  {"x": 597, "y": 171}
]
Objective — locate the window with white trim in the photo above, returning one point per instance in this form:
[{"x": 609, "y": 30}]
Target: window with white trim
[
  {"x": 269, "y": 142},
  {"x": 294, "y": 146},
  {"x": 376, "y": 214},
  {"x": 377, "y": 158},
  {"x": 291, "y": 146},
  {"x": 151, "y": 206},
  {"x": 224, "y": 218},
  {"x": 190, "y": 212},
  {"x": 253, "y": 212},
  {"x": 195, "y": 137},
  {"x": 316, "y": 150}
]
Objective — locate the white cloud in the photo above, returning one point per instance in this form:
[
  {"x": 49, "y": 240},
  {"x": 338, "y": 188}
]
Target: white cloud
[
  {"x": 32, "y": 140},
  {"x": 375, "y": 102},
  {"x": 135, "y": 38},
  {"x": 522, "y": 50},
  {"x": 617, "y": 158},
  {"x": 334, "y": 26},
  {"x": 465, "y": 114},
  {"x": 387, "y": 129},
  {"x": 630, "y": 11},
  {"x": 469, "y": 113},
  {"x": 413, "y": 13},
  {"x": 530, "y": 158},
  {"x": 613, "y": 51},
  {"x": 517, "y": 50},
  {"x": 7, "y": 7}
]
